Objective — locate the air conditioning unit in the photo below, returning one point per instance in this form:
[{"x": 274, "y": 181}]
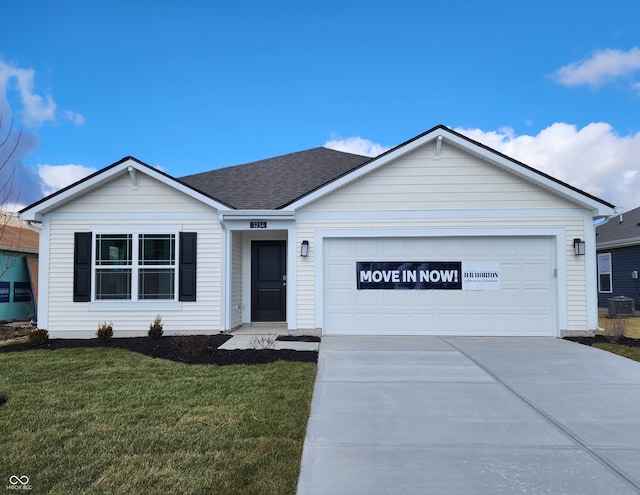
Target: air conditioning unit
[{"x": 621, "y": 306}]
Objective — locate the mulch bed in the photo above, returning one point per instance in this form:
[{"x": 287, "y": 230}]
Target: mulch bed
[
  {"x": 603, "y": 339},
  {"x": 197, "y": 349}
]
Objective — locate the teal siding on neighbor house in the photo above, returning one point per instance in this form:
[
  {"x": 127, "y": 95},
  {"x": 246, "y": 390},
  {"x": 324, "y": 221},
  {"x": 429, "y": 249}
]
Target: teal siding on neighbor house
[{"x": 16, "y": 298}]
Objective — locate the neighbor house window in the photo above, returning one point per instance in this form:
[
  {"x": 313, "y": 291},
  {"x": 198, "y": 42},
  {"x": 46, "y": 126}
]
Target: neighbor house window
[
  {"x": 135, "y": 266},
  {"x": 604, "y": 273}
]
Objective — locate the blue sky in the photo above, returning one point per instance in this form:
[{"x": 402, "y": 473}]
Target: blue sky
[{"x": 194, "y": 85}]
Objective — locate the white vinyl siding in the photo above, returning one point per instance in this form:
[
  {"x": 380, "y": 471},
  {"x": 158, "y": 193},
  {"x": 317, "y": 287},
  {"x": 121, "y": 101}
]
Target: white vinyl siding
[
  {"x": 118, "y": 196},
  {"x": 66, "y": 319},
  {"x": 456, "y": 181}
]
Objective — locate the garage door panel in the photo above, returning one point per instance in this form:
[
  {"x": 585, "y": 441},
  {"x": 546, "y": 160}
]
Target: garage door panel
[
  {"x": 510, "y": 273},
  {"x": 523, "y": 305},
  {"x": 534, "y": 322},
  {"x": 398, "y": 321},
  {"x": 450, "y": 248},
  {"x": 536, "y": 247},
  {"x": 394, "y": 248},
  {"x": 536, "y": 272},
  {"x": 449, "y": 299},
  {"x": 480, "y": 299},
  {"x": 341, "y": 273},
  {"x": 507, "y": 251},
  {"x": 423, "y": 321},
  {"x": 483, "y": 322},
  {"x": 535, "y": 299}
]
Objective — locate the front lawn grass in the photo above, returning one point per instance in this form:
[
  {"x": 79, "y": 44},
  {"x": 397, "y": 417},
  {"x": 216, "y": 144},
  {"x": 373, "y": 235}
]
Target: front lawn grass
[
  {"x": 105, "y": 420},
  {"x": 622, "y": 350}
]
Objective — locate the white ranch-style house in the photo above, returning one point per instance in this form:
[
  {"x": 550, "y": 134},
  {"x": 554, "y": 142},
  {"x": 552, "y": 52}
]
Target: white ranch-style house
[{"x": 441, "y": 235}]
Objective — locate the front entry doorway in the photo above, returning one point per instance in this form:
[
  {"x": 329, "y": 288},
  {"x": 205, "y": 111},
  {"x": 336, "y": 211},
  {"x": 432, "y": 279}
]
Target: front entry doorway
[{"x": 268, "y": 280}]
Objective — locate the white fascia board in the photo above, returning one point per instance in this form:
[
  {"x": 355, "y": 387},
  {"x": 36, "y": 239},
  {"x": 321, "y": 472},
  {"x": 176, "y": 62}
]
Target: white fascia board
[
  {"x": 257, "y": 215},
  {"x": 36, "y": 212},
  {"x": 597, "y": 209}
]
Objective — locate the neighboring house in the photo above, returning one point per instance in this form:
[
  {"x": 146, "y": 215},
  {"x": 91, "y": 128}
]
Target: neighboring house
[
  {"x": 440, "y": 235},
  {"x": 18, "y": 269},
  {"x": 618, "y": 258}
]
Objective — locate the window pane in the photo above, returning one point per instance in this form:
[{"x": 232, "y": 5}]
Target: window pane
[
  {"x": 157, "y": 249},
  {"x": 156, "y": 283},
  {"x": 113, "y": 249},
  {"x": 113, "y": 284},
  {"x": 604, "y": 263}
]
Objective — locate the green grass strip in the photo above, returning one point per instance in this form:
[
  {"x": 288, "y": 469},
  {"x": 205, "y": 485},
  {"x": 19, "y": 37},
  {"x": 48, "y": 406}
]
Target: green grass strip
[
  {"x": 622, "y": 350},
  {"x": 101, "y": 421}
]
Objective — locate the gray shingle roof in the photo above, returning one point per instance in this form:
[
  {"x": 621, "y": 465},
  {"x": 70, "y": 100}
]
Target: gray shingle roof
[
  {"x": 625, "y": 226},
  {"x": 275, "y": 182}
]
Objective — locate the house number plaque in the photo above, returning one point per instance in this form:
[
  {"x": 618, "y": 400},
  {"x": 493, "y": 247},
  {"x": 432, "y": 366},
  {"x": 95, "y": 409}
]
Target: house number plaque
[{"x": 258, "y": 224}]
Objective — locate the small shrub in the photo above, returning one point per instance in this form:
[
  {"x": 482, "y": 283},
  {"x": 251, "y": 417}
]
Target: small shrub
[
  {"x": 105, "y": 330},
  {"x": 155, "y": 329},
  {"x": 263, "y": 341},
  {"x": 192, "y": 346},
  {"x": 615, "y": 327},
  {"x": 38, "y": 336}
]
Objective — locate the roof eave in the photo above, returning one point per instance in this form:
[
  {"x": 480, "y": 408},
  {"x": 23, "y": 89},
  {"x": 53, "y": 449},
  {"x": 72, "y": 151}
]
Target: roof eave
[{"x": 619, "y": 243}]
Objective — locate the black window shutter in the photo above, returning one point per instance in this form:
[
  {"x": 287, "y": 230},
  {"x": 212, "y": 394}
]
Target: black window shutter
[
  {"x": 82, "y": 267},
  {"x": 188, "y": 253}
]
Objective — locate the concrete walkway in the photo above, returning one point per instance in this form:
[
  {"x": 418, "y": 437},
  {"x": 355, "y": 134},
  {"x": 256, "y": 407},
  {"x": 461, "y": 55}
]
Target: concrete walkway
[
  {"x": 262, "y": 341},
  {"x": 263, "y": 336},
  {"x": 454, "y": 416}
]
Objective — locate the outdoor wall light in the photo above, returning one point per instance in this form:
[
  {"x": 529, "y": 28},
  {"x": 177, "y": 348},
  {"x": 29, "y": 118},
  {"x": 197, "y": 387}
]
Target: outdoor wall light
[
  {"x": 304, "y": 249},
  {"x": 578, "y": 246}
]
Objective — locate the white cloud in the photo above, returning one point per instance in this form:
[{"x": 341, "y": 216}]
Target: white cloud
[
  {"x": 594, "y": 159},
  {"x": 602, "y": 67},
  {"x": 356, "y": 145},
  {"x": 36, "y": 109},
  {"x": 73, "y": 117},
  {"x": 56, "y": 177}
]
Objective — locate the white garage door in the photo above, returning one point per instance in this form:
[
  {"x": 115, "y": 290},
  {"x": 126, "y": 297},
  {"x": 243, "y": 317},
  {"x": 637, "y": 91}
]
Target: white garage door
[{"x": 522, "y": 303}]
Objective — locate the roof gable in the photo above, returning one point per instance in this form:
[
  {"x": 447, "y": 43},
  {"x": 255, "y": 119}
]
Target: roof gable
[
  {"x": 130, "y": 166},
  {"x": 275, "y": 182},
  {"x": 437, "y": 135}
]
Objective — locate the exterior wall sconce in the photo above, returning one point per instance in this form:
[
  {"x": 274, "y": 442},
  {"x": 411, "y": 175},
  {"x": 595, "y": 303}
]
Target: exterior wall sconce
[
  {"x": 578, "y": 246},
  {"x": 304, "y": 249}
]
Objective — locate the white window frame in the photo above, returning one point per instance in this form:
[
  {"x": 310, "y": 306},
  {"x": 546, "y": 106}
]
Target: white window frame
[
  {"x": 136, "y": 232},
  {"x": 601, "y": 272}
]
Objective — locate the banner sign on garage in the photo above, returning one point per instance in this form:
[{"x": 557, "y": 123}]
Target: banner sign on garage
[{"x": 428, "y": 275}]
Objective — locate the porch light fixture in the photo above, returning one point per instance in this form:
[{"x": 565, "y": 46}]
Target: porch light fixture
[
  {"x": 578, "y": 246},
  {"x": 304, "y": 249}
]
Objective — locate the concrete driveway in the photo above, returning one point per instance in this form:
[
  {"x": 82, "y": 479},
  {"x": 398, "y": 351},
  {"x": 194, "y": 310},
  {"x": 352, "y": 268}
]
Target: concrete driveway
[{"x": 458, "y": 415}]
